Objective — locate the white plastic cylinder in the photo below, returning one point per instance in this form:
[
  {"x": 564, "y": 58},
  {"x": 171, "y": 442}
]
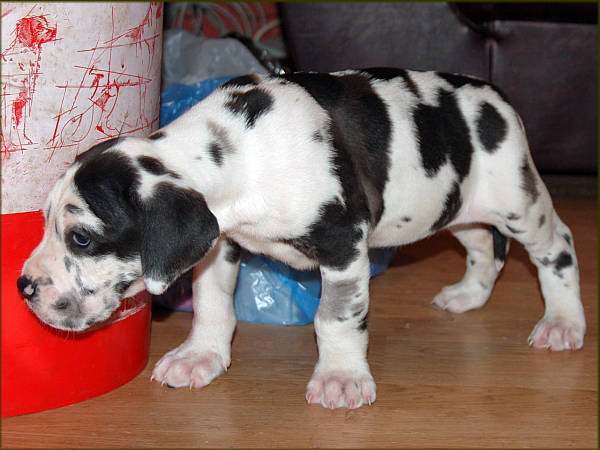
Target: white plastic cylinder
[{"x": 73, "y": 75}]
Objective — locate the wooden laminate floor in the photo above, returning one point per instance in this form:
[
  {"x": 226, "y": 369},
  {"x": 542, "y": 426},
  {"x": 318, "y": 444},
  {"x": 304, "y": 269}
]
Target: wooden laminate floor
[{"x": 443, "y": 380}]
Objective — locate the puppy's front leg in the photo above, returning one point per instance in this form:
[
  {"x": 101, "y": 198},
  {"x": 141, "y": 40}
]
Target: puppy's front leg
[
  {"x": 206, "y": 353},
  {"x": 342, "y": 378}
]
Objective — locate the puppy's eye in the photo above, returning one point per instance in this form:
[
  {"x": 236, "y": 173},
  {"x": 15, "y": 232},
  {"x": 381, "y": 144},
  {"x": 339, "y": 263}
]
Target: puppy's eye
[{"x": 81, "y": 240}]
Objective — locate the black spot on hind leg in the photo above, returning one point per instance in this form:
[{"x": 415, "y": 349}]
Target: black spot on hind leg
[{"x": 528, "y": 183}]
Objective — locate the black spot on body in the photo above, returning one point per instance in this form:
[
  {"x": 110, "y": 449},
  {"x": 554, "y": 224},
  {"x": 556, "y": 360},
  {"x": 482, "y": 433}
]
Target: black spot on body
[
  {"x": 155, "y": 167},
  {"x": 251, "y": 104},
  {"x": 221, "y": 144},
  {"x": 567, "y": 238},
  {"x": 332, "y": 239},
  {"x": 513, "y": 216},
  {"x": 541, "y": 221},
  {"x": 157, "y": 135},
  {"x": 216, "y": 153},
  {"x": 528, "y": 183},
  {"x": 491, "y": 127},
  {"x": 451, "y": 207},
  {"x": 443, "y": 135}
]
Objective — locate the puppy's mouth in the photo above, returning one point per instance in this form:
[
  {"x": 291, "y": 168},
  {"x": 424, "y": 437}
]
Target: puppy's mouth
[{"x": 67, "y": 313}]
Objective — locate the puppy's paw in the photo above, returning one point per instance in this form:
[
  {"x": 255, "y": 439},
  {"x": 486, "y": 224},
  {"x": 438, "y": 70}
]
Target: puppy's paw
[
  {"x": 341, "y": 389},
  {"x": 557, "y": 334},
  {"x": 186, "y": 367},
  {"x": 461, "y": 297}
]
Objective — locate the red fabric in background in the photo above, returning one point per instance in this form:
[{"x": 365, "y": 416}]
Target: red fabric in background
[{"x": 210, "y": 30}]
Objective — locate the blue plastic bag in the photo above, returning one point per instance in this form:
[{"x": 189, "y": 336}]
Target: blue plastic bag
[{"x": 267, "y": 292}]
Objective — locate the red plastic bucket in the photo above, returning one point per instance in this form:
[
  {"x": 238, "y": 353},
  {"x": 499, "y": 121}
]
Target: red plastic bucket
[{"x": 44, "y": 368}]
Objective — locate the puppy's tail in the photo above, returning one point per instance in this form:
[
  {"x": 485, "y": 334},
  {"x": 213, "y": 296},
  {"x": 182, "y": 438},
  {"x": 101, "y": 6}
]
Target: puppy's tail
[{"x": 501, "y": 245}]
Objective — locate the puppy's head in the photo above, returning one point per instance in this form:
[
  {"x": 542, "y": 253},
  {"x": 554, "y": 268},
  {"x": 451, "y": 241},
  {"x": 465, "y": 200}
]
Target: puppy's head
[{"x": 116, "y": 222}]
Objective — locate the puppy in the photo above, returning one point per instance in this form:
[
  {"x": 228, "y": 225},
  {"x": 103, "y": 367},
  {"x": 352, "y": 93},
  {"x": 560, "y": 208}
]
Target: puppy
[{"x": 311, "y": 169}]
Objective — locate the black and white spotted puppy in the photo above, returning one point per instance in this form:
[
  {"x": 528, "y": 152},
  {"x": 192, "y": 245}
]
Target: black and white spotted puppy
[{"x": 311, "y": 169}]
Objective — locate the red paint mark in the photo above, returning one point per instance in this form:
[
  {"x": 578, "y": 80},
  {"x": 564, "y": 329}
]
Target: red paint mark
[
  {"x": 88, "y": 104},
  {"x": 34, "y": 31},
  {"x": 31, "y": 32},
  {"x": 19, "y": 104}
]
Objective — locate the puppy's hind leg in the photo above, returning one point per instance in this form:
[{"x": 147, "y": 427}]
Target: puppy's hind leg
[
  {"x": 206, "y": 353},
  {"x": 549, "y": 241},
  {"x": 486, "y": 251}
]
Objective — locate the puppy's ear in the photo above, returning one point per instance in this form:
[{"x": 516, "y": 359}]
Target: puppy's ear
[{"x": 177, "y": 231}]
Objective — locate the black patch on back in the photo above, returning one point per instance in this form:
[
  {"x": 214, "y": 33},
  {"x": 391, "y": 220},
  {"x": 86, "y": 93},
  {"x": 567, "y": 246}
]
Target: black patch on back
[
  {"x": 388, "y": 73},
  {"x": 244, "y": 80},
  {"x": 360, "y": 130},
  {"x": 451, "y": 207},
  {"x": 459, "y": 81},
  {"x": 443, "y": 135},
  {"x": 251, "y": 104},
  {"x": 157, "y": 135},
  {"x": 528, "y": 183},
  {"x": 154, "y": 166},
  {"x": 499, "y": 243},
  {"x": 108, "y": 183},
  {"x": 491, "y": 127}
]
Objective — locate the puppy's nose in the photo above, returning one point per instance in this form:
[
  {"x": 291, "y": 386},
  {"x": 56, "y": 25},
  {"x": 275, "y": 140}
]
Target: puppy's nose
[{"x": 26, "y": 287}]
